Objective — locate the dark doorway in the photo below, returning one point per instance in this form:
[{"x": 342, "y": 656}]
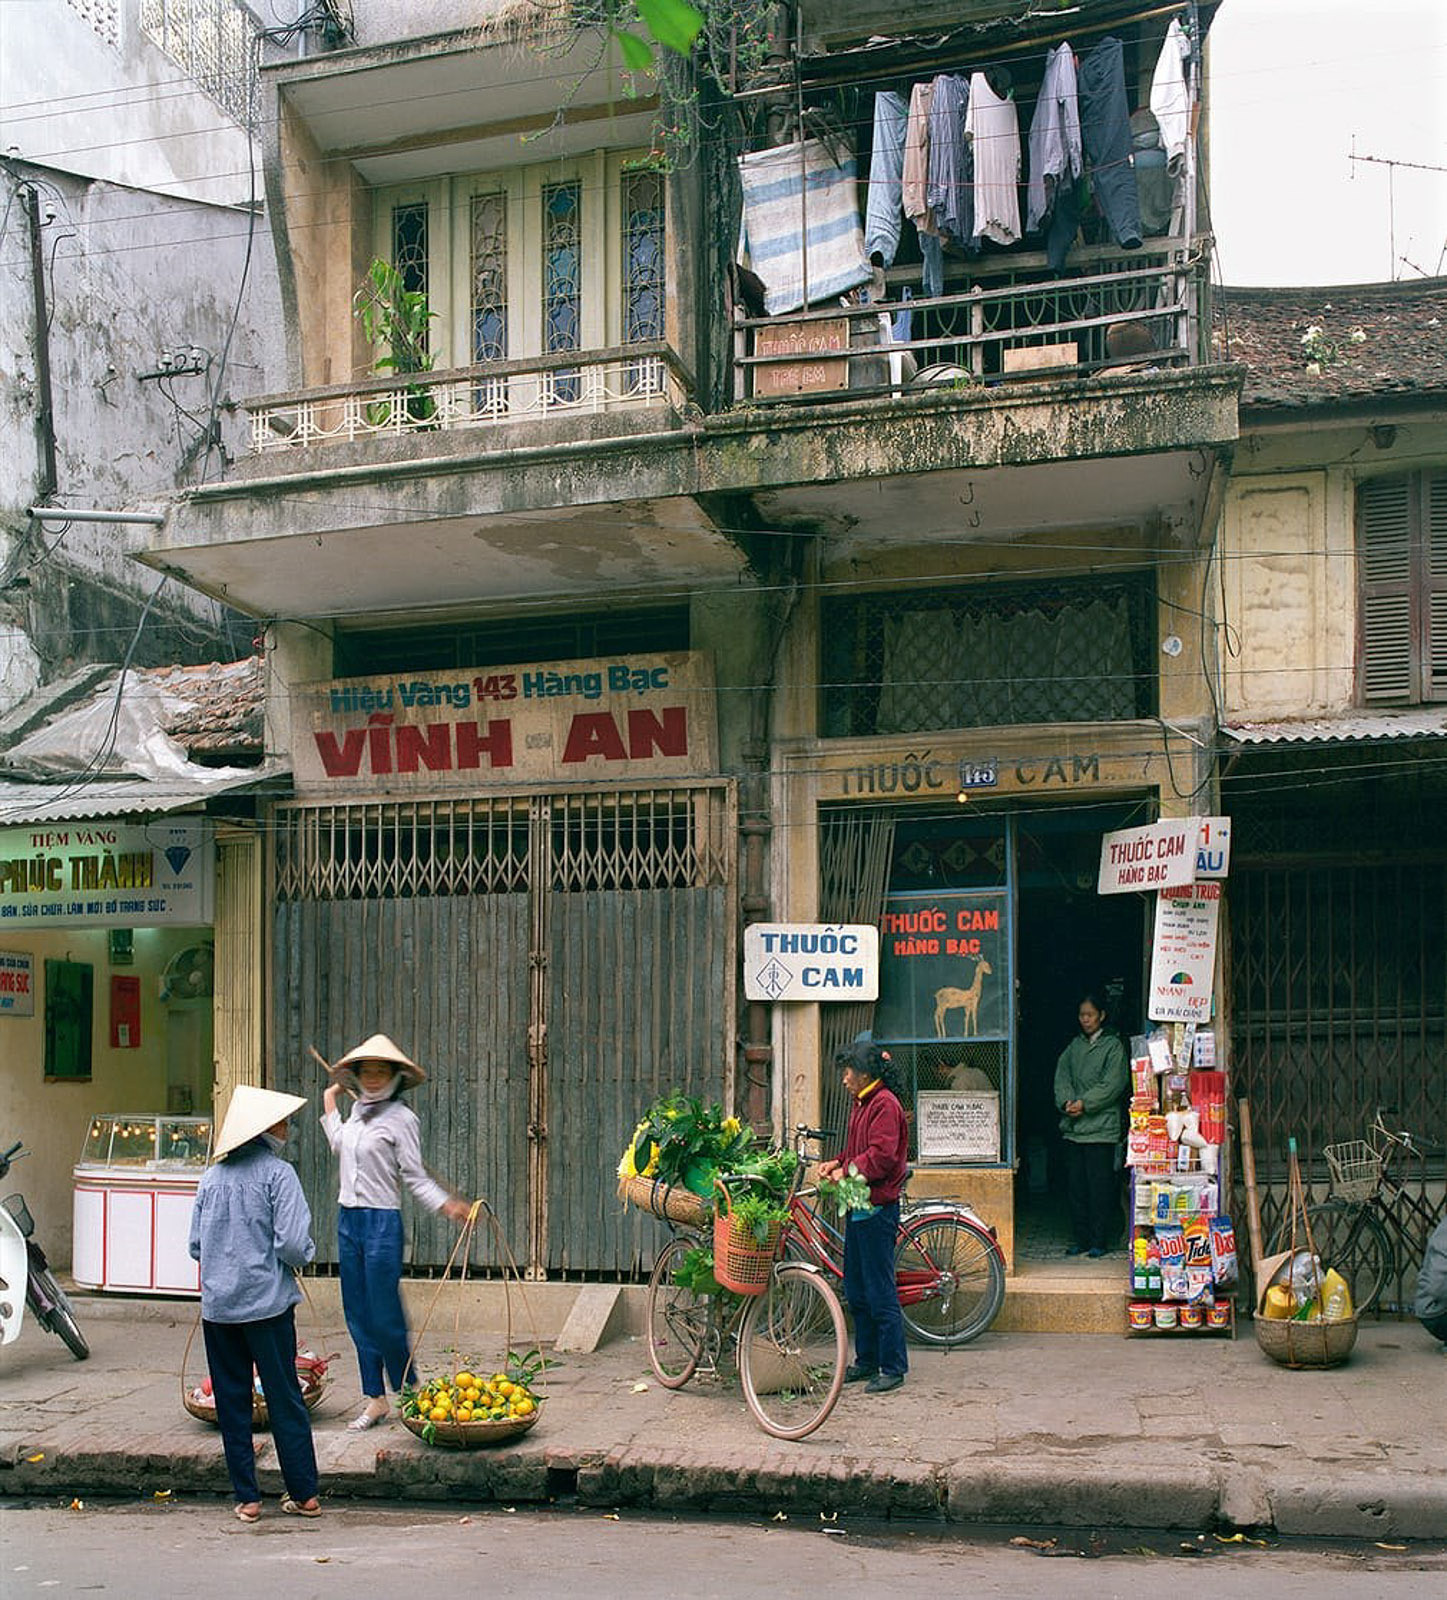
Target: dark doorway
[{"x": 1068, "y": 939}]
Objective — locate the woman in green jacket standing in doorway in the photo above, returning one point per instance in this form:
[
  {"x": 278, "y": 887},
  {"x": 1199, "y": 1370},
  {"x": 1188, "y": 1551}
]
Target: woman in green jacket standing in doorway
[{"x": 1091, "y": 1079}]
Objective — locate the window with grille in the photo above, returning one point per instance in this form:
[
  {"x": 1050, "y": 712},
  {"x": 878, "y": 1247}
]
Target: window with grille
[
  {"x": 215, "y": 41},
  {"x": 988, "y": 655},
  {"x": 535, "y": 260},
  {"x": 1402, "y": 557}
]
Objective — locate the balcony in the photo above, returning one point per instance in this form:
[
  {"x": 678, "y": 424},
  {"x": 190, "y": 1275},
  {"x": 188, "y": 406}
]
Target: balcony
[
  {"x": 1014, "y": 322},
  {"x": 643, "y": 377}
]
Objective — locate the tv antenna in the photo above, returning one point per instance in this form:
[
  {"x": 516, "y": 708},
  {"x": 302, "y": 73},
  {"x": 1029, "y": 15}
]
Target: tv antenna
[{"x": 1391, "y": 164}]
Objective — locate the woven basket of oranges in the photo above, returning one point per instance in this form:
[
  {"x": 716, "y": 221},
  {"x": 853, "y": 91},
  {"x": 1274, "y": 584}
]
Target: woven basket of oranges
[{"x": 463, "y": 1409}]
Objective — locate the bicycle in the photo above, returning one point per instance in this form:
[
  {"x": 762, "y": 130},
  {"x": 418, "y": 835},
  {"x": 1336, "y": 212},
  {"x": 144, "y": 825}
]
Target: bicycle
[
  {"x": 1370, "y": 1213},
  {"x": 949, "y": 1270},
  {"x": 789, "y": 1342}
]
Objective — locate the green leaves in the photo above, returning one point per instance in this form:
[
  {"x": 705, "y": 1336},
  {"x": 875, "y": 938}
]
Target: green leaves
[{"x": 674, "y": 24}]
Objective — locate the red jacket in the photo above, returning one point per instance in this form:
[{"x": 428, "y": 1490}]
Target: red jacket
[{"x": 877, "y": 1142}]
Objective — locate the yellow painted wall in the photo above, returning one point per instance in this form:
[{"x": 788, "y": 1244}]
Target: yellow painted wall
[{"x": 53, "y": 1117}]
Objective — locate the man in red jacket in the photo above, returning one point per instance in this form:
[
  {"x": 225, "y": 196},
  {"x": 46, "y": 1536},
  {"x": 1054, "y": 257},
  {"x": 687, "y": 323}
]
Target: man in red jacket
[{"x": 876, "y": 1146}]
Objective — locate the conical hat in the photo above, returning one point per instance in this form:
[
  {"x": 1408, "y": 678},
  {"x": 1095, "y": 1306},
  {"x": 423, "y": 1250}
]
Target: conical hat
[
  {"x": 378, "y": 1048},
  {"x": 252, "y": 1111}
]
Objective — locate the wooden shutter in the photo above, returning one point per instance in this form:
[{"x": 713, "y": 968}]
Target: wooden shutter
[
  {"x": 1434, "y": 563},
  {"x": 1384, "y": 531}
]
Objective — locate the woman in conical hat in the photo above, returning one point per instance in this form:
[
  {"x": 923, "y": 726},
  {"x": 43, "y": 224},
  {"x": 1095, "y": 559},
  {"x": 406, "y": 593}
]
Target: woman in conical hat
[
  {"x": 379, "y": 1150},
  {"x": 250, "y": 1231}
]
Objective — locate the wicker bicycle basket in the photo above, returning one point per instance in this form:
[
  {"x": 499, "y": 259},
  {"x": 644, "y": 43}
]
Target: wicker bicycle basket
[
  {"x": 665, "y": 1200},
  {"x": 741, "y": 1261},
  {"x": 1355, "y": 1167}
]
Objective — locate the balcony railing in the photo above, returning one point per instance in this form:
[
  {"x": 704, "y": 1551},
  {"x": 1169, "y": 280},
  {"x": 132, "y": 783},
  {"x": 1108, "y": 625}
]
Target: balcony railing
[
  {"x": 571, "y": 383},
  {"x": 1014, "y": 322}
]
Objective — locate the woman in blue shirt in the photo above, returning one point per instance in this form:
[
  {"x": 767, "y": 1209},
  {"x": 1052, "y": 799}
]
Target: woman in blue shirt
[{"x": 250, "y": 1231}]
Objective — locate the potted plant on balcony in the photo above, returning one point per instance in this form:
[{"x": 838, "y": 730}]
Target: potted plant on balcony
[{"x": 395, "y": 318}]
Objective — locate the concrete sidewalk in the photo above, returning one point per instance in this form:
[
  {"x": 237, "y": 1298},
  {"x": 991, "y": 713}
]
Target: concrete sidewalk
[{"x": 1083, "y": 1430}]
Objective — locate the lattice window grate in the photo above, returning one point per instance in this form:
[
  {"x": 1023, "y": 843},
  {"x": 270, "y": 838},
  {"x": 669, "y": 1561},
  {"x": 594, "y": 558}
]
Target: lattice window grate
[
  {"x": 216, "y": 42},
  {"x": 103, "y": 15}
]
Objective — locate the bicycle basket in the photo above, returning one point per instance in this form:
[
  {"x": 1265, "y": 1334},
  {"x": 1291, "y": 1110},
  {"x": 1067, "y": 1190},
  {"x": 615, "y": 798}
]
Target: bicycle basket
[
  {"x": 1356, "y": 1169},
  {"x": 15, "y": 1205}
]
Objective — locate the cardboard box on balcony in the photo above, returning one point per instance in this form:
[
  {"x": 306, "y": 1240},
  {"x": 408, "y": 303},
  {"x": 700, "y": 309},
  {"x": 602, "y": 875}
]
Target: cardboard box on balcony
[{"x": 1040, "y": 357}]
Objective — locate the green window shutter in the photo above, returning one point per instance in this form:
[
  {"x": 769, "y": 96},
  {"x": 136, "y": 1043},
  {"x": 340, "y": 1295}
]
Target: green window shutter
[
  {"x": 1385, "y": 517},
  {"x": 1434, "y": 651}
]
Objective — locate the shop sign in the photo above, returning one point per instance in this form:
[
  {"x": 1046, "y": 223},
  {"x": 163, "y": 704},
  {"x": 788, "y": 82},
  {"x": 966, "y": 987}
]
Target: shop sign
[
  {"x": 957, "y": 1125},
  {"x": 944, "y": 967},
  {"x": 107, "y": 874},
  {"x": 616, "y": 717},
  {"x": 17, "y": 983},
  {"x": 807, "y": 340},
  {"x": 1159, "y": 856},
  {"x": 1183, "y": 953},
  {"x": 808, "y": 961},
  {"x": 1213, "y": 848}
]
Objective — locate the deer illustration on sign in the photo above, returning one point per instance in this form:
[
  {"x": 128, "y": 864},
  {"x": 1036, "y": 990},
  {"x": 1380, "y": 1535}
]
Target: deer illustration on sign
[{"x": 965, "y": 1000}]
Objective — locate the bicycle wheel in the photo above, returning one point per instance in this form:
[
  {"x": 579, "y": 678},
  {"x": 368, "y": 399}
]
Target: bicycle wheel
[
  {"x": 950, "y": 1278},
  {"x": 60, "y": 1319},
  {"x": 1350, "y": 1238},
  {"x": 792, "y": 1350},
  {"x": 677, "y": 1320}
]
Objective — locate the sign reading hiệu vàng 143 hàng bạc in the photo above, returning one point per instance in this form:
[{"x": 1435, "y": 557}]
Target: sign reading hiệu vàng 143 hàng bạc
[{"x": 615, "y": 717}]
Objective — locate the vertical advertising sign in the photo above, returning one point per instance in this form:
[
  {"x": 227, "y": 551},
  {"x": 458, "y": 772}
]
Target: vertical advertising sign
[
  {"x": 1183, "y": 953},
  {"x": 944, "y": 967}
]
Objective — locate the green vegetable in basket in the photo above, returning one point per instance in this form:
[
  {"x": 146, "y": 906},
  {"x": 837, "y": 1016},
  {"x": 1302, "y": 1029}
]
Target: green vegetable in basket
[
  {"x": 684, "y": 1142},
  {"x": 756, "y": 1214},
  {"x": 695, "y": 1272}
]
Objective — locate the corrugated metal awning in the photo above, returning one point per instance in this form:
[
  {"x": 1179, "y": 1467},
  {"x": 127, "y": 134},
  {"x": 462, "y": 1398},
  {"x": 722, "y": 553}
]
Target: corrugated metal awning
[
  {"x": 24, "y": 803},
  {"x": 1354, "y": 728}
]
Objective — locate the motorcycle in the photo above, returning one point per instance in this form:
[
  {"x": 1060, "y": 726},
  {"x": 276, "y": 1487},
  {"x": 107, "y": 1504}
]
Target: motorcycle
[{"x": 21, "y": 1258}]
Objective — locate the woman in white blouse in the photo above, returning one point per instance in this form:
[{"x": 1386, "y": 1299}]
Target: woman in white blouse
[{"x": 379, "y": 1149}]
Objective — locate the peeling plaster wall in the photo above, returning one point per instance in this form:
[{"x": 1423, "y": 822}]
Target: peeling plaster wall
[{"x": 1290, "y": 600}]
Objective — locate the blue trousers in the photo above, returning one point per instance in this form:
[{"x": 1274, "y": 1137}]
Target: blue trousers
[
  {"x": 232, "y": 1350},
  {"x": 1105, "y": 133},
  {"x": 369, "y": 1244},
  {"x": 870, "y": 1290}
]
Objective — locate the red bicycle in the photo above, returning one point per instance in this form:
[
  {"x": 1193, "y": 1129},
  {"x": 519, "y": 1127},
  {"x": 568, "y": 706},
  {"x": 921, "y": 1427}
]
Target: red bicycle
[{"x": 948, "y": 1266}]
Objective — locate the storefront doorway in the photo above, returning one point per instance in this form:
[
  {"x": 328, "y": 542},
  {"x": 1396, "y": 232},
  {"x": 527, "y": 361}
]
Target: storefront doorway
[{"x": 1069, "y": 939}]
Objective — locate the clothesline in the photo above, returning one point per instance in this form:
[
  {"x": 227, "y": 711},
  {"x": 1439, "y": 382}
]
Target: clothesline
[{"x": 943, "y": 61}]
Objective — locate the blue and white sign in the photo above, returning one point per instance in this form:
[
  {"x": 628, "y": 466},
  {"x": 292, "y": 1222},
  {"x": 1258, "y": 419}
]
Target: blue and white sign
[{"x": 811, "y": 961}]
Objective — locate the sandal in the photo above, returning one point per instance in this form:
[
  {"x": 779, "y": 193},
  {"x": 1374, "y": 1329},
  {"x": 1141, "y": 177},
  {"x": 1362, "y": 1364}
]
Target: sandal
[
  {"x": 295, "y": 1508},
  {"x": 367, "y": 1419},
  {"x": 250, "y": 1512}
]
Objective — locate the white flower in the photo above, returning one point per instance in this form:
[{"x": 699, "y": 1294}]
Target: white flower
[
  {"x": 1312, "y": 334},
  {"x": 1358, "y": 336}
]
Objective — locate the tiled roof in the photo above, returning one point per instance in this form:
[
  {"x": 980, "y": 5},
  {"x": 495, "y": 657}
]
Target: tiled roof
[
  {"x": 222, "y": 710},
  {"x": 1377, "y": 341}
]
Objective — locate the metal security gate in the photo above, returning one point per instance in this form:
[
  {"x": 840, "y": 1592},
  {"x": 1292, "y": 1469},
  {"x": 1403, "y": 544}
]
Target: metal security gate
[
  {"x": 554, "y": 961},
  {"x": 1339, "y": 1005}
]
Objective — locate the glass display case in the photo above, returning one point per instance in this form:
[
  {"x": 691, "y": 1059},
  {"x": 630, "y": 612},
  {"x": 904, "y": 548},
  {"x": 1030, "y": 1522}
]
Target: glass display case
[{"x": 135, "y": 1184}]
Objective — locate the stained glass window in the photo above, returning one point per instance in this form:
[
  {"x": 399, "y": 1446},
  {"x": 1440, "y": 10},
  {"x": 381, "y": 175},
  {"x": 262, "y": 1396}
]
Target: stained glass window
[
  {"x": 489, "y": 293},
  {"x": 563, "y": 278},
  {"x": 643, "y": 272}
]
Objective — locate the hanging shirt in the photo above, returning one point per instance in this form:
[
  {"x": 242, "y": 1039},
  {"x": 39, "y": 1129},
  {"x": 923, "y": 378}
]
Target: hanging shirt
[
  {"x": 1055, "y": 151},
  {"x": 1171, "y": 92},
  {"x": 993, "y": 127},
  {"x": 379, "y": 1149},
  {"x": 916, "y": 160},
  {"x": 949, "y": 191}
]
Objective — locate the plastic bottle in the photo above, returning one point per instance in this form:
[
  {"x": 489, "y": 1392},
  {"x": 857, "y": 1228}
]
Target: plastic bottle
[{"x": 1336, "y": 1297}]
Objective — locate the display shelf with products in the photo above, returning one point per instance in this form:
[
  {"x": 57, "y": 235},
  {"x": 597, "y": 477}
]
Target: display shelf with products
[{"x": 1183, "y": 1267}]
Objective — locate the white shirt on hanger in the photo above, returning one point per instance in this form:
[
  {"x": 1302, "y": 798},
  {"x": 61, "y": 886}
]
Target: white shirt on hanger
[
  {"x": 1170, "y": 92},
  {"x": 993, "y": 127}
]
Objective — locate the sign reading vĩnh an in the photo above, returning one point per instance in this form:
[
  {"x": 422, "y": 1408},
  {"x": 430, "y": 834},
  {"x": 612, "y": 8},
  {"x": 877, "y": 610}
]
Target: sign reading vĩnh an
[
  {"x": 630, "y": 717},
  {"x": 811, "y": 961}
]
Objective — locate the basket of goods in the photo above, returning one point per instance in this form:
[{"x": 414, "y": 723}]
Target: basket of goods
[
  {"x": 748, "y": 1230},
  {"x": 462, "y": 1405},
  {"x": 673, "y": 1156},
  {"x": 1304, "y": 1315},
  {"x": 311, "y": 1372},
  {"x": 463, "y": 1409}
]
